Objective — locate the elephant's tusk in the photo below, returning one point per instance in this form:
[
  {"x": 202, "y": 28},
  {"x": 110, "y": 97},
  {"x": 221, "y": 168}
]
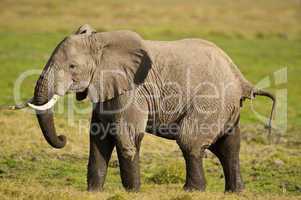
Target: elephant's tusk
[{"x": 46, "y": 106}]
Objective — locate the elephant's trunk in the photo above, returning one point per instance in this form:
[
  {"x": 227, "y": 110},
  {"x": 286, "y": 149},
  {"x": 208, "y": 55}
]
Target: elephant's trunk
[{"x": 42, "y": 94}]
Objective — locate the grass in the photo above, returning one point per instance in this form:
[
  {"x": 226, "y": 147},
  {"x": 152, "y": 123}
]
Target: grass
[
  {"x": 262, "y": 37},
  {"x": 29, "y": 168}
]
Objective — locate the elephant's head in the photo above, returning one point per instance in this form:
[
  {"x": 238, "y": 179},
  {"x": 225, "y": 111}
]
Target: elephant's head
[{"x": 100, "y": 65}]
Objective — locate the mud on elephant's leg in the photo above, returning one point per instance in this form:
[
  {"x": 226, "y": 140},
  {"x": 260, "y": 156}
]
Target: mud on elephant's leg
[
  {"x": 99, "y": 157},
  {"x": 195, "y": 178},
  {"x": 193, "y": 151},
  {"x": 130, "y": 128},
  {"x": 227, "y": 150},
  {"x": 193, "y": 144},
  {"x": 101, "y": 147},
  {"x": 129, "y": 165}
]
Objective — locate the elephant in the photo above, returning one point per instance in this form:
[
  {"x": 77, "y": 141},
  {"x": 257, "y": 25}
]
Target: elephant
[{"x": 187, "y": 90}]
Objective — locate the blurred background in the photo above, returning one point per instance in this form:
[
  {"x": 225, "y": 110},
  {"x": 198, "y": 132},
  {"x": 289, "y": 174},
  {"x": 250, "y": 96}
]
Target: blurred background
[
  {"x": 169, "y": 18},
  {"x": 263, "y": 37}
]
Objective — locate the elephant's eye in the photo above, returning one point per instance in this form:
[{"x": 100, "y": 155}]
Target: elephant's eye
[{"x": 72, "y": 66}]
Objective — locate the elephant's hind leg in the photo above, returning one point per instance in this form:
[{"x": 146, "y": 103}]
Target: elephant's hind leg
[
  {"x": 193, "y": 146},
  {"x": 227, "y": 151},
  {"x": 195, "y": 179}
]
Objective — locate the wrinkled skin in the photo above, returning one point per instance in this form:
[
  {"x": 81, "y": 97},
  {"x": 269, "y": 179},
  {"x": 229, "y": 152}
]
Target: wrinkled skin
[{"x": 139, "y": 86}]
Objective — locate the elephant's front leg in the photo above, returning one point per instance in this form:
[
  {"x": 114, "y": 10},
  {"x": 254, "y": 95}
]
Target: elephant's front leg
[
  {"x": 129, "y": 165},
  {"x": 130, "y": 131},
  {"x": 101, "y": 147}
]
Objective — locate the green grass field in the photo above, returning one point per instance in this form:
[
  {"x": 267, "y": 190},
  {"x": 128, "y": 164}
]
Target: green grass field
[{"x": 262, "y": 37}]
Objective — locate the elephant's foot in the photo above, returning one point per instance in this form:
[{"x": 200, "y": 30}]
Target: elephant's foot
[
  {"x": 234, "y": 182},
  {"x": 190, "y": 187},
  {"x": 195, "y": 180},
  {"x": 235, "y": 186},
  {"x": 130, "y": 174},
  {"x": 95, "y": 180},
  {"x": 94, "y": 188},
  {"x": 131, "y": 187}
]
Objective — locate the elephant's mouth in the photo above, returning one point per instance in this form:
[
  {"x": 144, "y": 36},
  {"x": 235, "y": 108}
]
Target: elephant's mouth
[{"x": 76, "y": 87}]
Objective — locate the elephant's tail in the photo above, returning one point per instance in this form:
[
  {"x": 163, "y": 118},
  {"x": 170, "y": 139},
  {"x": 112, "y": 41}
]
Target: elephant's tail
[
  {"x": 260, "y": 92},
  {"x": 252, "y": 92}
]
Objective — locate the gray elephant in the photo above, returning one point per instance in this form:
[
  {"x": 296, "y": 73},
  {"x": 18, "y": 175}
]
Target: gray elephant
[{"x": 187, "y": 90}]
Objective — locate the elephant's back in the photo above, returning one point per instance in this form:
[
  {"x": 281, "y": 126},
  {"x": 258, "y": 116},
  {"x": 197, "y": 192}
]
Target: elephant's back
[
  {"x": 199, "y": 70},
  {"x": 193, "y": 63}
]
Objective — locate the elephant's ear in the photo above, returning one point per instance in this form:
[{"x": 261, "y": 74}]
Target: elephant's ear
[
  {"x": 123, "y": 62},
  {"x": 87, "y": 30}
]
